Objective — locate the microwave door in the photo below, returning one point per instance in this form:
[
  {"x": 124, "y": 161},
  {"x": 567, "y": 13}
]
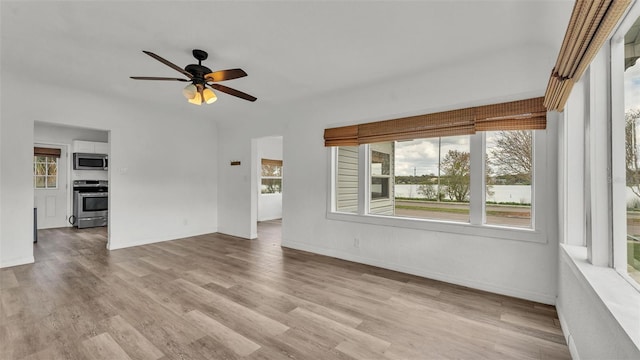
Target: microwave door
[{"x": 90, "y": 163}]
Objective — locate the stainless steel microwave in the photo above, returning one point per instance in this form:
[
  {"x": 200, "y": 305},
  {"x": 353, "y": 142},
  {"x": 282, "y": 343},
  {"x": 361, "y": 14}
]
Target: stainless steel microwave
[{"x": 84, "y": 161}]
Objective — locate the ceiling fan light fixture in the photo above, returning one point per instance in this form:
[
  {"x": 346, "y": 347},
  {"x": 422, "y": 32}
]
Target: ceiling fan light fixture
[
  {"x": 200, "y": 77},
  {"x": 197, "y": 100},
  {"x": 209, "y": 96},
  {"x": 190, "y": 91}
]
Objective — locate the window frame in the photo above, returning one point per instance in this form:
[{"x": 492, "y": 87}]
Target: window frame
[
  {"x": 384, "y": 177},
  {"x": 262, "y": 177},
  {"x": 532, "y": 220},
  {"x": 476, "y": 227},
  {"x": 46, "y": 175},
  {"x": 617, "y": 244}
]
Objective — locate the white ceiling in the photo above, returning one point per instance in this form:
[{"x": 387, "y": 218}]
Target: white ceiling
[{"x": 291, "y": 50}]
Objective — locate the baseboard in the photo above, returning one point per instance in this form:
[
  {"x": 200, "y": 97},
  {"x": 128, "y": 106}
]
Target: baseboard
[
  {"x": 537, "y": 297},
  {"x": 567, "y": 333},
  {"x": 16, "y": 262},
  {"x": 154, "y": 240}
]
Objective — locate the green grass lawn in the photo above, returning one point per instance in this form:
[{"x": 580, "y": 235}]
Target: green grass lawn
[
  {"x": 462, "y": 211},
  {"x": 633, "y": 257},
  {"x": 429, "y": 208}
]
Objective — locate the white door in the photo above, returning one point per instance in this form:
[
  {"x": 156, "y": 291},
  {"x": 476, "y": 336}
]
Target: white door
[{"x": 52, "y": 198}]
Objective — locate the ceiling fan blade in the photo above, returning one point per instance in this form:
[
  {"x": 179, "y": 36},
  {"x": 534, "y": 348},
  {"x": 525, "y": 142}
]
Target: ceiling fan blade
[
  {"x": 223, "y": 75},
  {"x": 234, "y": 92},
  {"x": 157, "y": 78},
  {"x": 168, "y": 63}
]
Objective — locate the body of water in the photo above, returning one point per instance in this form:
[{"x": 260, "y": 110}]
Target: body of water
[{"x": 501, "y": 193}]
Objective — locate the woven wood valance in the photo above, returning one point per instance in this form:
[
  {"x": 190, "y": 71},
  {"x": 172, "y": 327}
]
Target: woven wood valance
[
  {"x": 271, "y": 162},
  {"x": 591, "y": 24},
  {"x": 341, "y": 136},
  {"x": 42, "y": 151},
  {"x": 529, "y": 114}
]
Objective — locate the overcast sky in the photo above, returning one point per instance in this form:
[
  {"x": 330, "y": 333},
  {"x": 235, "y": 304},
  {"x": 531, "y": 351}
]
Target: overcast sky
[
  {"x": 632, "y": 87},
  {"x": 422, "y": 154}
]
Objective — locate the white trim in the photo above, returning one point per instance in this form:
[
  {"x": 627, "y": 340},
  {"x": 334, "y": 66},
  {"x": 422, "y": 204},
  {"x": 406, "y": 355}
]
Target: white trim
[
  {"x": 363, "y": 180},
  {"x": 154, "y": 240},
  {"x": 477, "y": 176},
  {"x": 493, "y": 231},
  {"x": 445, "y": 277},
  {"x": 618, "y": 166},
  {"x": 16, "y": 262},
  {"x": 615, "y": 294},
  {"x": 573, "y": 350}
]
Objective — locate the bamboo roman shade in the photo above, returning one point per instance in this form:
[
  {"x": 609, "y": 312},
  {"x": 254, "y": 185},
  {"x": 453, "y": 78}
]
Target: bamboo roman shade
[
  {"x": 529, "y": 114},
  {"x": 271, "y": 162},
  {"x": 341, "y": 136},
  {"x": 591, "y": 23},
  {"x": 42, "y": 151}
]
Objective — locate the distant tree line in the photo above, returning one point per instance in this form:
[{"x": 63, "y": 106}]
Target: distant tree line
[{"x": 509, "y": 163}]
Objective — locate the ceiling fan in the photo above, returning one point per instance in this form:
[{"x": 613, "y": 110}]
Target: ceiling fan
[{"x": 202, "y": 79}]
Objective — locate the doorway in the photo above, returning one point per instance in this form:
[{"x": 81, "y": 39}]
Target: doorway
[
  {"x": 50, "y": 184},
  {"x": 54, "y": 174},
  {"x": 268, "y": 181}
]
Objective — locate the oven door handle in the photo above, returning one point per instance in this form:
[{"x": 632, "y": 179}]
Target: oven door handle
[{"x": 100, "y": 194}]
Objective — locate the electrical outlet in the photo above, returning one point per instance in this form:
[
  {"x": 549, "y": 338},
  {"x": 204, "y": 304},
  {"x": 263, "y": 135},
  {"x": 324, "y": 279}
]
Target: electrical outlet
[{"x": 356, "y": 242}]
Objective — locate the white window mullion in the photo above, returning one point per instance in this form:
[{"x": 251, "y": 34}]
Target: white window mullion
[
  {"x": 598, "y": 168},
  {"x": 363, "y": 179},
  {"x": 478, "y": 192},
  {"x": 617, "y": 174}
]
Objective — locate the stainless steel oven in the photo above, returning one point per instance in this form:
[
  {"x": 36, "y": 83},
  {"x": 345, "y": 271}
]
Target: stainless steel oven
[{"x": 90, "y": 203}]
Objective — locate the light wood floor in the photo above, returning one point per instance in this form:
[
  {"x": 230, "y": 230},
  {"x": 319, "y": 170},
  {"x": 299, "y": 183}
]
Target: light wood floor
[{"x": 219, "y": 297}]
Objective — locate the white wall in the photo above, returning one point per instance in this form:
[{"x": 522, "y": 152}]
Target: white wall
[
  {"x": 592, "y": 332},
  {"x": 518, "y": 268},
  {"x": 55, "y": 133},
  {"x": 163, "y": 177},
  {"x": 269, "y": 205}
]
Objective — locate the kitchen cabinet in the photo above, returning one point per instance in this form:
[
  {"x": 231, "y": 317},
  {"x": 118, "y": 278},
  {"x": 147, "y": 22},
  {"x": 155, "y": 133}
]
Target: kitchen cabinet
[{"x": 90, "y": 147}]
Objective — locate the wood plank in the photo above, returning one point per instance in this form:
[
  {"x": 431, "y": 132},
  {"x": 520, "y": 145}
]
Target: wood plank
[
  {"x": 216, "y": 296},
  {"x": 8, "y": 279},
  {"x": 375, "y": 344},
  {"x": 134, "y": 343},
  {"x": 103, "y": 347},
  {"x": 229, "y": 338}
]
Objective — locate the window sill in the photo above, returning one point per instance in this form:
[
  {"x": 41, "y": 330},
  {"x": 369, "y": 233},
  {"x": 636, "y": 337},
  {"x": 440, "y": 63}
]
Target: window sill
[
  {"x": 619, "y": 297},
  {"x": 492, "y": 231}
]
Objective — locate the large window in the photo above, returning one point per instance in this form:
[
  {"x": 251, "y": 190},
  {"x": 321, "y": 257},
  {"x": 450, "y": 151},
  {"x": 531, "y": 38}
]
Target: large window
[
  {"x": 509, "y": 176},
  {"x": 432, "y": 178},
  {"x": 271, "y": 176},
  {"x": 45, "y": 172},
  {"x": 381, "y": 178},
  {"x": 631, "y": 124}
]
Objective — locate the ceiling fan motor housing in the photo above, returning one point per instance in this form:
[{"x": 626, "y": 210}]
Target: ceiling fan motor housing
[{"x": 198, "y": 70}]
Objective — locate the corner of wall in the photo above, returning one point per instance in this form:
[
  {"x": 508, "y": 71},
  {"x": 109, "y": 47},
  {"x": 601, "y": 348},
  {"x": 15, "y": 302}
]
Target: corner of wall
[{"x": 16, "y": 262}]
